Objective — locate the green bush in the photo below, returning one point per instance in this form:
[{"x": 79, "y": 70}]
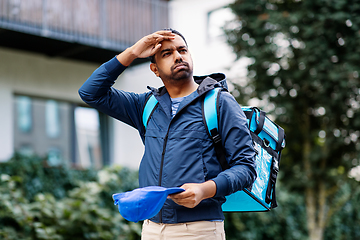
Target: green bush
[
  {"x": 38, "y": 177},
  {"x": 84, "y": 210}
]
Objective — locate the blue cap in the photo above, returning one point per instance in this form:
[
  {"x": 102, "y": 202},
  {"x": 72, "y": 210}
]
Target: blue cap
[{"x": 142, "y": 203}]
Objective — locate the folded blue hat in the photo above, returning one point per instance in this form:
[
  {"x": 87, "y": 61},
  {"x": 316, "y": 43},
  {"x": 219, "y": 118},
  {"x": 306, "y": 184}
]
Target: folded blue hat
[{"x": 142, "y": 203}]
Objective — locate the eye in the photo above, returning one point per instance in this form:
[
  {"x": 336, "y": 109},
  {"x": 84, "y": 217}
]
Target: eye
[
  {"x": 183, "y": 50},
  {"x": 166, "y": 54}
]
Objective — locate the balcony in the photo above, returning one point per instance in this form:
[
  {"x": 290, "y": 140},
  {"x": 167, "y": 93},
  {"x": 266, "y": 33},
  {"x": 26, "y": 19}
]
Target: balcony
[{"x": 88, "y": 30}]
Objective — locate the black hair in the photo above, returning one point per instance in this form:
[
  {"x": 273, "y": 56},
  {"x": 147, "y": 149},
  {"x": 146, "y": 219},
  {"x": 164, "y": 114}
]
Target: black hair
[{"x": 152, "y": 58}]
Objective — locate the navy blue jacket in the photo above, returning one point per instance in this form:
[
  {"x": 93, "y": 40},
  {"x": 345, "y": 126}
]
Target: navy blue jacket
[{"x": 179, "y": 150}]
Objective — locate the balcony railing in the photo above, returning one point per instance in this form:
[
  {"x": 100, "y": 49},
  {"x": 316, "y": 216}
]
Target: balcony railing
[{"x": 108, "y": 24}]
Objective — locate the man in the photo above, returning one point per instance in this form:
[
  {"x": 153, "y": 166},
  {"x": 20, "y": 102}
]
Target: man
[{"x": 178, "y": 149}]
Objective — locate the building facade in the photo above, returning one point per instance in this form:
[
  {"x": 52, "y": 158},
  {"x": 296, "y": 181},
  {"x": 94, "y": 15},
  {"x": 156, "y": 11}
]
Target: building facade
[{"x": 48, "y": 48}]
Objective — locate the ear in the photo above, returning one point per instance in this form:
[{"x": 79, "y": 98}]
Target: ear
[{"x": 154, "y": 69}]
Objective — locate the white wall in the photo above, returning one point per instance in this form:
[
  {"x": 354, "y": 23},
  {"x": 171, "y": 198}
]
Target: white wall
[
  {"x": 209, "y": 55},
  {"x": 40, "y": 76},
  {"x": 6, "y": 123},
  {"x": 190, "y": 17},
  {"x": 34, "y": 75},
  {"x": 37, "y": 75},
  {"x": 128, "y": 147}
]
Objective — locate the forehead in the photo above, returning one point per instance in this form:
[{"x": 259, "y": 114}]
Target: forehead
[{"x": 173, "y": 44}]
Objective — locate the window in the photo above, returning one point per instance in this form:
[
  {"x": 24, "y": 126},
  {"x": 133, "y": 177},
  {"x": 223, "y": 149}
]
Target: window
[
  {"x": 87, "y": 124},
  {"x": 24, "y": 113},
  {"x": 61, "y": 131},
  {"x": 52, "y": 115}
]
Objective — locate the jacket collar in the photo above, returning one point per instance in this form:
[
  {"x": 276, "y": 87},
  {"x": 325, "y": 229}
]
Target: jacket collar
[
  {"x": 206, "y": 83},
  {"x": 209, "y": 82}
]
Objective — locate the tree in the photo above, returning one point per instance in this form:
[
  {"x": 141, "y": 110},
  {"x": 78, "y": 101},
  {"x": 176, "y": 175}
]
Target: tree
[{"x": 304, "y": 71}]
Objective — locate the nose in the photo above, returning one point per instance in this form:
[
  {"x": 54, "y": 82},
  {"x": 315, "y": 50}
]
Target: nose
[{"x": 178, "y": 57}]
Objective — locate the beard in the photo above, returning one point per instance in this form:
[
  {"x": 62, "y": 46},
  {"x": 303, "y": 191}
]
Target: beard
[
  {"x": 178, "y": 72},
  {"x": 183, "y": 73}
]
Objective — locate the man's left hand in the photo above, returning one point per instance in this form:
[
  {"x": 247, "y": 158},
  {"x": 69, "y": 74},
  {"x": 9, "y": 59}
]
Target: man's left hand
[{"x": 194, "y": 193}]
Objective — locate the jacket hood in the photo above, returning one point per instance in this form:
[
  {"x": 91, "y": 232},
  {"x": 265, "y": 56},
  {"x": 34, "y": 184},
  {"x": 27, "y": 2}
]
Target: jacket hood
[{"x": 206, "y": 83}]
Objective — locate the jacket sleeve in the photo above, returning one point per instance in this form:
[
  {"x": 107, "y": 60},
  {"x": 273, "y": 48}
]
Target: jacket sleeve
[
  {"x": 98, "y": 92},
  {"x": 238, "y": 146}
]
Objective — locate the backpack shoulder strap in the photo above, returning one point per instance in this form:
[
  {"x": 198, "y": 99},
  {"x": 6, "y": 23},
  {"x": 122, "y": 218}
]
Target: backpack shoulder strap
[
  {"x": 210, "y": 116},
  {"x": 149, "y": 108}
]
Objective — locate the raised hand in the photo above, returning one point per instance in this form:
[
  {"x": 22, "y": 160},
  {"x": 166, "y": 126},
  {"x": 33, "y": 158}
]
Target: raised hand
[
  {"x": 145, "y": 47},
  {"x": 150, "y": 44}
]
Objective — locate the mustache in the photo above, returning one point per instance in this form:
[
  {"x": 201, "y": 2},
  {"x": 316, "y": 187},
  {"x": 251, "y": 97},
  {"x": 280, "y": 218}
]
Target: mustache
[{"x": 182, "y": 63}]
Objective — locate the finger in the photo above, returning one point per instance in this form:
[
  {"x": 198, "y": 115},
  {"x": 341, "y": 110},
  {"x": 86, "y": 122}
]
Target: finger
[
  {"x": 156, "y": 48},
  {"x": 161, "y": 38},
  {"x": 165, "y": 32},
  {"x": 164, "y": 35},
  {"x": 155, "y": 39},
  {"x": 180, "y": 201},
  {"x": 190, "y": 203},
  {"x": 182, "y": 196}
]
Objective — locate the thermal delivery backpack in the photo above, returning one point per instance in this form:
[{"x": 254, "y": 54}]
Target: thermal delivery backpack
[{"x": 268, "y": 139}]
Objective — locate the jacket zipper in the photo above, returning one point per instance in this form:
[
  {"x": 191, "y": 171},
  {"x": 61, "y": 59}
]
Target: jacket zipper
[
  {"x": 163, "y": 157},
  {"x": 164, "y": 150},
  {"x": 162, "y": 166}
]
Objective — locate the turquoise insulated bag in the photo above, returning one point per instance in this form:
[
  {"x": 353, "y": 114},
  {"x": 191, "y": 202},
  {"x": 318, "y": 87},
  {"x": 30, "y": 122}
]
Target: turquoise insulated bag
[{"x": 268, "y": 139}]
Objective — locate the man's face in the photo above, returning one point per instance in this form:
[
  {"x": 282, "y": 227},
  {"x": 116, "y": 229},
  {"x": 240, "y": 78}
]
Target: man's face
[{"x": 173, "y": 60}]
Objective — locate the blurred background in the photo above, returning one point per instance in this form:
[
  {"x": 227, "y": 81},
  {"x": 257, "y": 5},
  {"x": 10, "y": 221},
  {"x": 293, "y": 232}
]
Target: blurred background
[{"x": 61, "y": 160}]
